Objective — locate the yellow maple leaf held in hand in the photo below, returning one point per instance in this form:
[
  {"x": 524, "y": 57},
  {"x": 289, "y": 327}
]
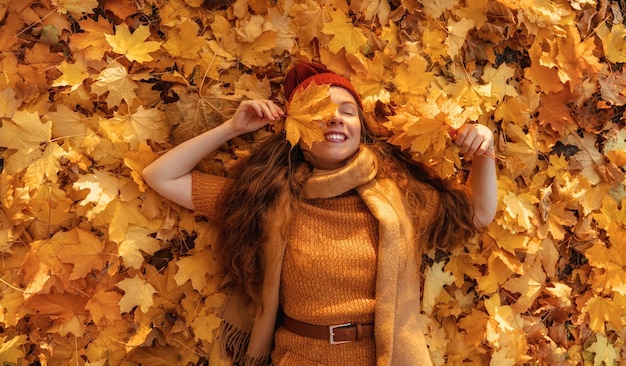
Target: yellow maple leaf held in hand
[
  {"x": 308, "y": 108},
  {"x": 133, "y": 46}
]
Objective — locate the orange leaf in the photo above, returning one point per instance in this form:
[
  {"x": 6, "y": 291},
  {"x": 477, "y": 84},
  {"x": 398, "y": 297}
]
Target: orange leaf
[{"x": 309, "y": 107}]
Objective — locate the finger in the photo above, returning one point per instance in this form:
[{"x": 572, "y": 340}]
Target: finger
[
  {"x": 266, "y": 111},
  {"x": 275, "y": 110},
  {"x": 252, "y": 106},
  {"x": 473, "y": 147},
  {"x": 465, "y": 139},
  {"x": 462, "y": 134}
]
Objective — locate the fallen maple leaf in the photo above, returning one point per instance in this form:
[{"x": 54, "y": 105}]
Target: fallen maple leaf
[
  {"x": 613, "y": 42},
  {"x": 137, "y": 292},
  {"x": 11, "y": 349},
  {"x": 116, "y": 81},
  {"x": 604, "y": 352},
  {"x": 75, "y": 7},
  {"x": 134, "y": 46},
  {"x": 435, "y": 280},
  {"x": 345, "y": 35}
]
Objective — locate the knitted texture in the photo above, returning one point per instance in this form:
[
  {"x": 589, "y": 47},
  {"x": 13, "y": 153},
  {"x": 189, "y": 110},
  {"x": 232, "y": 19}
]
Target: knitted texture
[
  {"x": 329, "y": 277},
  {"x": 302, "y": 74},
  {"x": 208, "y": 193}
]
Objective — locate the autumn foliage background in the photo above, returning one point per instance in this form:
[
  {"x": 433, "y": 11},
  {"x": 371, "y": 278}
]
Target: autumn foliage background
[{"x": 97, "y": 269}]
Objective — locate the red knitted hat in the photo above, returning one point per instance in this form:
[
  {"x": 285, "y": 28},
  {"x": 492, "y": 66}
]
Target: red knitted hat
[{"x": 302, "y": 74}]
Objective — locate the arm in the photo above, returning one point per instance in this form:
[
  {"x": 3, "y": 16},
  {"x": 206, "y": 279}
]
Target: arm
[
  {"x": 476, "y": 142},
  {"x": 170, "y": 175}
]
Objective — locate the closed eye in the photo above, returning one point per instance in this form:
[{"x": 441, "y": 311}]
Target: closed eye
[{"x": 348, "y": 110}]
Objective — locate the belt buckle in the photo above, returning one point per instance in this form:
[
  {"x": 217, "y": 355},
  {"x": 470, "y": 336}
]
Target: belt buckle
[{"x": 332, "y": 328}]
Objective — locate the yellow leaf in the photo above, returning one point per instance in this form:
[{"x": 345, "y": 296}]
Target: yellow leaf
[
  {"x": 405, "y": 79},
  {"x": 499, "y": 78},
  {"x": 434, "y": 9},
  {"x": 139, "y": 337},
  {"x": 529, "y": 285},
  {"x": 601, "y": 310},
  {"x": 195, "y": 268},
  {"x": 542, "y": 76},
  {"x": 103, "y": 307},
  {"x": 372, "y": 78},
  {"x": 310, "y": 18},
  {"x": 615, "y": 147},
  {"x": 91, "y": 43},
  {"x": 59, "y": 307},
  {"x": 309, "y": 107},
  {"x": 24, "y": 132},
  {"x": 115, "y": 80},
  {"x": 204, "y": 327},
  {"x": 345, "y": 34},
  {"x": 435, "y": 280},
  {"x": 136, "y": 241},
  {"x": 183, "y": 40},
  {"x": 73, "y": 74},
  {"x": 8, "y": 103},
  {"x": 457, "y": 32},
  {"x": 464, "y": 264},
  {"x": 137, "y": 292},
  {"x": 500, "y": 266},
  {"x": 521, "y": 211},
  {"x": 604, "y": 352},
  {"x": 82, "y": 249},
  {"x": 576, "y": 59},
  {"x": 137, "y": 128},
  {"x": 46, "y": 167},
  {"x": 133, "y": 46},
  {"x": 433, "y": 43},
  {"x": 102, "y": 187},
  {"x": 614, "y": 43},
  {"x": 10, "y": 308},
  {"x": 612, "y": 259},
  {"x": 521, "y": 150},
  {"x": 258, "y": 52},
  {"x": 475, "y": 325},
  {"x": 11, "y": 350},
  {"x": 76, "y": 7}
]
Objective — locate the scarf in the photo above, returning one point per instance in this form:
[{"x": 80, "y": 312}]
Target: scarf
[{"x": 248, "y": 335}]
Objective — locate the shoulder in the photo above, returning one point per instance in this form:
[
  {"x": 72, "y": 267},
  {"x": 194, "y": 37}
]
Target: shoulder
[{"x": 208, "y": 192}]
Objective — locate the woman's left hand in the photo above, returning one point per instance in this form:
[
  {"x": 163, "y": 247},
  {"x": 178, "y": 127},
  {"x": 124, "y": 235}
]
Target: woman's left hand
[{"x": 475, "y": 140}]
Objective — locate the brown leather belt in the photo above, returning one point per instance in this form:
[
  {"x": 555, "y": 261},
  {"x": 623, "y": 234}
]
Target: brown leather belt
[{"x": 335, "y": 334}]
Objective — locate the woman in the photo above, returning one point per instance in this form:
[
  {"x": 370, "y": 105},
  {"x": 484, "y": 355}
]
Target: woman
[{"x": 317, "y": 237}]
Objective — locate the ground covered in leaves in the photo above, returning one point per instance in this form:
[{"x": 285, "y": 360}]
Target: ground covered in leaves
[{"x": 96, "y": 269}]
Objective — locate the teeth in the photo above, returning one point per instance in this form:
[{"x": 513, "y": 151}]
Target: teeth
[{"x": 335, "y": 137}]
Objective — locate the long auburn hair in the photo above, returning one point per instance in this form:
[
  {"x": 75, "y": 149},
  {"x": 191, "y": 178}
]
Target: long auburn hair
[{"x": 276, "y": 168}]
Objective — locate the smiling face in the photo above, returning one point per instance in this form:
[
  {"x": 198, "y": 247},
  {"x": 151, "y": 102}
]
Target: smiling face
[{"x": 342, "y": 134}]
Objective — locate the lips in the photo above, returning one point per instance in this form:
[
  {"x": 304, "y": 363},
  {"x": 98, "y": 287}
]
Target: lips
[{"x": 335, "y": 136}]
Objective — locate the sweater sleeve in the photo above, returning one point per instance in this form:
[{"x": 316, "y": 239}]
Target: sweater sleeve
[{"x": 208, "y": 193}]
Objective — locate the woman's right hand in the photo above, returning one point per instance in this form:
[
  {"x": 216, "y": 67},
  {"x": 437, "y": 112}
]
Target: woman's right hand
[{"x": 252, "y": 115}]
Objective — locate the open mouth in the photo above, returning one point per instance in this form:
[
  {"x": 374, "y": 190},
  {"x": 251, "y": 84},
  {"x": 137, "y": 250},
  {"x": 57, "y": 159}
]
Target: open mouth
[{"x": 335, "y": 137}]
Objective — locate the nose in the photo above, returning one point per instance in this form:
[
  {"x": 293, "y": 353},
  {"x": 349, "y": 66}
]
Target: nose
[{"x": 335, "y": 120}]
